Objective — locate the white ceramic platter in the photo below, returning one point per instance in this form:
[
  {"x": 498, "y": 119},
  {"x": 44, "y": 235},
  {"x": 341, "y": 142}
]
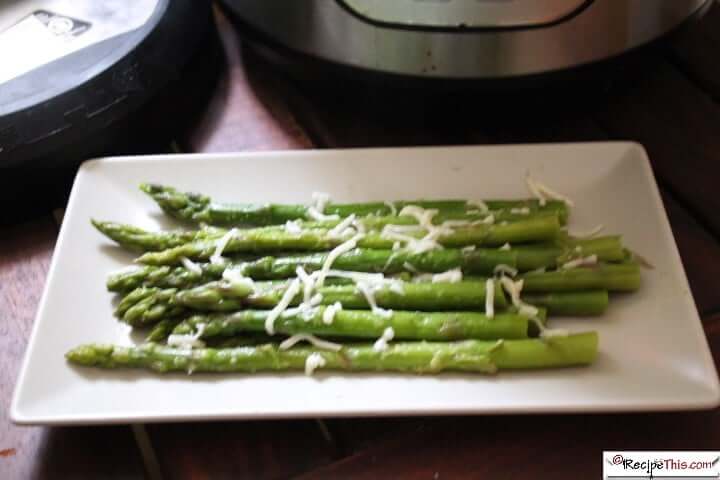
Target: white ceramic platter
[{"x": 654, "y": 355}]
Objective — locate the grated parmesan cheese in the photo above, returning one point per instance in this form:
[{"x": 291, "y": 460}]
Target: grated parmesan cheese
[
  {"x": 293, "y": 227},
  {"x": 316, "y": 211},
  {"x": 482, "y": 206},
  {"x": 468, "y": 249},
  {"x": 340, "y": 229},
  {"x": 579, "y": 262},
  {"x": 313, "y": 362},
  {"x": 333, "y": 255},
  {"x": 392, "y": 207},
  {"x": 490, "y": 298},
  {"x": 320, "y": 201},
  {"x": 451, "y": 276},
  {"x": 292, "y": 290},
  {"x": 543, "y": 192},
  {"x": 312, "y": 339},
  {"x": 520, "y": 211},
  {"x": 314, "y": 214},
  {"x": 307, "y": 282},
  {"x": 369, "y": 292},
  {"x": 503, "y": 269},
  {"x": 234, "y": 276},
  {"x": 329, "y": 313},
  {"x": 381, "y": 344},
  {"x": 191, "y": 266},
  {"x": 188, "y": 341},
  {"x": 513, "y": 288},
  {"x": 505, "y": 247},
  {"x": 220, "y": 246},
  {"x": 591, "y": 233}
]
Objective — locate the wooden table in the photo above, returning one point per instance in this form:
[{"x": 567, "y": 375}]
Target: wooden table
[{"x": 667, "y": 100}]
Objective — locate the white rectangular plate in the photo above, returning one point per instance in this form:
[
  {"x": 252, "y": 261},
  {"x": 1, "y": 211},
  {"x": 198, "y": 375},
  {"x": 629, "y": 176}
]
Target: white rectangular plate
[{"x": 654, "y": 355}]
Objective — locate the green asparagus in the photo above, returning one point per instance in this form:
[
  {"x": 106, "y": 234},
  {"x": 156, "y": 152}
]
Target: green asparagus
[
  {"x": 198, "y": 208},
  {"x": 366, "y": 324},
  {"x": 415, "y": 357},
  {"x": 614, "y": 278},
  {"x": 264, "y": 240},
  {"x": 223, "y": 297}
]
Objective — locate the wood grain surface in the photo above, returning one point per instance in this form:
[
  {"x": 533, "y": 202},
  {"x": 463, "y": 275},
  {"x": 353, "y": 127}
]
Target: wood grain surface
[
  {"x": 37, "y": 452},
  {"x": 666, "y": 98}
]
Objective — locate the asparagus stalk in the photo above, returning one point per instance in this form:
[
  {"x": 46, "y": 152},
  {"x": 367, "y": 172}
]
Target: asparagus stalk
[
  {"x": 366, "y": 324},
  {"x": 151, "y": 303},
  {"x": 264, "y": 240},
  {"x": 201, "y": 209},
  {"x": 614, "y": 278},
  {"x": 589, "y": 302},
  {"x": 481, "y": 261},
  {"x": 135, "y": 238},
  {"x": 531, "y": 257},
  {"x": 416, "y": 357},
  {"x": 162, "y": 330},
  {"x": 147, "y": 305}
]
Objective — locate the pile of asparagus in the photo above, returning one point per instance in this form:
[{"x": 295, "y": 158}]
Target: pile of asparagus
[{"x": 410, "y": 286}]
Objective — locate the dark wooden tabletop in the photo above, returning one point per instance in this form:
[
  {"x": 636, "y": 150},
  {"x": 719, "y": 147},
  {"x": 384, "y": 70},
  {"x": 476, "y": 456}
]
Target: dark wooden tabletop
[{"x": 667, "y": 100}]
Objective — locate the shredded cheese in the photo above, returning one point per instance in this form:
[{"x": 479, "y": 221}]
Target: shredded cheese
[
  {"x": 468, "y": 249},
  {"x": 513, "y": 288},
  {"x": 591, "y": 233},
  {"x": 489, "y": 220},
  {"x": 333, "y": 255},
  {"x": 307, "y": 282},
  {"x": 424, "y": 218},
  {"x": 312, "y": 339},
  {"x": 381, "y": 344},
  {"x": 340, "y": 229},
  {"x": 188, "y": 341},
  {"x": 410, "y": 267},
  {"x": 482, "y": 206},
  {"x": 234, "y": 275},
  {"x": 520, "y": 211},
  {"x": 368, "y": 292},
  {"x": 314, "y": 214},
  {"x": 503, "y": 269},
  {"x": 293, "y": 227},
  {"x": 490, "y": 298},
  {"x": 505, "y": 247},
  {"x": 320, "y": 201},
  {"x": 313, "y": 362},
  {"x": 543, "y": 192},
  {"x": 329, "y": 314},
  {"x": 392, "y": 207},
  {"x": 191, "y": 266},
  {"x": 292, "y": 290},
  {"x": 451, "y": 276},
  {"x": 580, "y": 262},
  {"x": 220, "y": 246}
]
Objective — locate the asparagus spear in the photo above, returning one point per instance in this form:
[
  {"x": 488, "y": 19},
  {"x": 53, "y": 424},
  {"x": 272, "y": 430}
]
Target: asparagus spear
[
  {"x": 162, "y": 330},
  {"x": 135, "y": 238},
  {"x": 480, "y": 261},
  {"x": 564, "y": 249},
  {"x": 218, "y": 296},
  {"x": 589, "y": 302},
  {"x": 264, "y": 240},
  {"x": 147, "y": 305},
  {"x": 366, "y": 324},
  {"x": 416, "y": 357},
  {"x": 614, "y": 278},
  {"x": 201, "y": 209}
]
